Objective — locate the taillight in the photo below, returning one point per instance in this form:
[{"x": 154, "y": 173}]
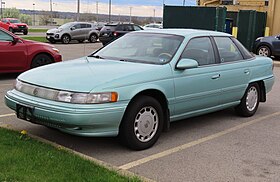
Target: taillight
[{"x": 115, "y": 34}]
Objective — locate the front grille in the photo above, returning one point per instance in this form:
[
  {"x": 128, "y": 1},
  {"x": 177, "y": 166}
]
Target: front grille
[
  {"x": 21, "y": 26},
  {"x": 50, "y": 33}
]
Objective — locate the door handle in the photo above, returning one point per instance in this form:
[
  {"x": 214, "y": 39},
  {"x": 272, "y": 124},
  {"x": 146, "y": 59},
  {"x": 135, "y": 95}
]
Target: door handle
[
  {"x": 247, "y": 71},
  {"x": 216, "y": 76}
]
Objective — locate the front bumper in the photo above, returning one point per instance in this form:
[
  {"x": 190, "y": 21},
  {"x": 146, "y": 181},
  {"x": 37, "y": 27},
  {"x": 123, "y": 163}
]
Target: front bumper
[
  {"x": 77, "y": 119},
  {"x": 25, "y": 29}
]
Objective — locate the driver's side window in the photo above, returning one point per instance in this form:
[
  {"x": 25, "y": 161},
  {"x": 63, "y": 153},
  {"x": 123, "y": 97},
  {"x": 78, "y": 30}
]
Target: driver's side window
[{"x": 5, "y": 37}]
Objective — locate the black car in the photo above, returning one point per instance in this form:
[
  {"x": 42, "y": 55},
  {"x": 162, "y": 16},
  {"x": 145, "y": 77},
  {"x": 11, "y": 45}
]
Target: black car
[
  {"x": 111, "y": 32},
  {"x": 268, "y": 46}
]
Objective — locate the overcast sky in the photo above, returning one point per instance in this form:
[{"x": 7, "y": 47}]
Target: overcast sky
[{"x": 122, "y": 7}]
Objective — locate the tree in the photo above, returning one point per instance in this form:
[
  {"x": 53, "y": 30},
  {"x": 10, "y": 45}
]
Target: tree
[
  {"x": 11, "y": 13},
  {"x": 87, "y": 17},
  {"x": 45, "y": 18},
  {"x": 25, "y": 19}
]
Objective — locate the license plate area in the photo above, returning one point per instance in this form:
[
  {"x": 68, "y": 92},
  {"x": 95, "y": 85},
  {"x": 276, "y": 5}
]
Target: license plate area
[{"x": 24, "y": 112}]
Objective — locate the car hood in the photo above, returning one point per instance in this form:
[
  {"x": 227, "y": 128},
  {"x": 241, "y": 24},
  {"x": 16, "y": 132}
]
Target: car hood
[
  {"x": 20, "y": 24},
  {"x": 90, "y": 74},
  {"x": 35, "y": 43},
  {"x": 53, "y": 30}
]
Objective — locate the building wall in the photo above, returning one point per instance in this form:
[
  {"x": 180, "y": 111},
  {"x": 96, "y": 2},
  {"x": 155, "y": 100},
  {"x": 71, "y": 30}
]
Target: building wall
[{"x": 273, "y": 17}]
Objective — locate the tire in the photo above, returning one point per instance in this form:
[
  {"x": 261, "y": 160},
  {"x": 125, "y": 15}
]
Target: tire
[
  {"x": 11, "y": 30},
  {"x": 65, "y": 39},
  {"x": 40, "y": 60},
  {"x": 264, "y": 51},
  {"x": 142, "y": 123},
  {"x": 25, "y": 32},
  {"x": 92, "y": 38},
  {"x": 250, "y": 101}
]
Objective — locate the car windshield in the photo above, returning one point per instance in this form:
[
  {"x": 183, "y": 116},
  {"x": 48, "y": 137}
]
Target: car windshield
[
  {"x": 14, "y": 21},
  {"x": 152, "y": 48},
  {"x": 66, "y": 25}
]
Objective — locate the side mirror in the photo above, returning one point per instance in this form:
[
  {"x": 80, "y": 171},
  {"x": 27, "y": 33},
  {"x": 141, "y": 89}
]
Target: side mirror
[
  {"x": 8, "y": 23},
  {"x": 278, "y": 37},
  {"x": 187, "y": 64},
  {"x": 72, "y": 28},
  {"x": 15, "y": 40}
]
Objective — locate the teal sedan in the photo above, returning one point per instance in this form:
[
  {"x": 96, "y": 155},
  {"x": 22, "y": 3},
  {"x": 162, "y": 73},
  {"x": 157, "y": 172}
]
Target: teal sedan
[{"x": 137, "y": 85}]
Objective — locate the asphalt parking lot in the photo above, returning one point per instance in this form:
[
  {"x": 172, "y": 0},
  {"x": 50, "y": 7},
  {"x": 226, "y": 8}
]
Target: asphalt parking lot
[{"x": 215, "y": 147}]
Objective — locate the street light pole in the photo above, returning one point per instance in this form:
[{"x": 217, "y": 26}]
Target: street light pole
[
  {"x": 51, "y": 11},
  {"x": 154, "y": 15},
  {"x": 97, "y": 11},
  {"x": 184, "y": 1},
  {"x": 110, "y": 3},
  {"x": 33, "y": 14},
  {"x": 130, "y": 9},
  {"x": 78, "y": 10}
]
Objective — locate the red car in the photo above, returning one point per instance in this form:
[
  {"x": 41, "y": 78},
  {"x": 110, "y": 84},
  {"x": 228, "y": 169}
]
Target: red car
[
  {"x": 14, "y": 25},
  {"x": 18, "y": 55}
]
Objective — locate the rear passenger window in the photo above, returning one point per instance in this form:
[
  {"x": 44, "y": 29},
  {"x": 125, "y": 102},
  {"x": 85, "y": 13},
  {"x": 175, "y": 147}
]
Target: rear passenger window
[
  {"x": 227, "y": 50},
  {"x": 201, "y": 50}
]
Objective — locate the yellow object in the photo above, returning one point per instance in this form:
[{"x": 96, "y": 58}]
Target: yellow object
[
  {"x": 234, "y": 31},
  {"x": 23, "y": 132},
  {"x": 266, "y": 31}
]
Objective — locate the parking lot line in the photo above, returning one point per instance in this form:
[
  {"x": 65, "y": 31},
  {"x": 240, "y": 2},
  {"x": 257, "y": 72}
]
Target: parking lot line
[
  {"x": 6, "y": 115},
  {"x": 196, "y": 142},
  {"x": 6, "y": 84}
]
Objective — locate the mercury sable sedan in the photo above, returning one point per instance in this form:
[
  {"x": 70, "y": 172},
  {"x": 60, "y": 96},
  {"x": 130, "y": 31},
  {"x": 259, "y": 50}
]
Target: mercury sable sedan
[{"x": 135, "y": 86}]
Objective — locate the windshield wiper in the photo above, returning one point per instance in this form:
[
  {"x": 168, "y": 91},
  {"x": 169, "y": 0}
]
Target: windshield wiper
[{"x": 96, "y": 56}]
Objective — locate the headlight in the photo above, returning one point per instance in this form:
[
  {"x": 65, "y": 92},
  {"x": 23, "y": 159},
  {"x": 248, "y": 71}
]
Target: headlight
[
  {"x": 55, "y": 49},
  {"x": 65, "y": 96},
  {"x": 59, "y": 30}
]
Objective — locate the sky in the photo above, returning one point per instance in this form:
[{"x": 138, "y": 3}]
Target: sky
[{"x": 119, "y": 7}]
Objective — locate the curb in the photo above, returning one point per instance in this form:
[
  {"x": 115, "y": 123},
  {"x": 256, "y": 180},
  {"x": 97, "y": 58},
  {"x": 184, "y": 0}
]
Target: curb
[
  {"x": 86, "y": 157},
  {"x": 276, "y": 63}
]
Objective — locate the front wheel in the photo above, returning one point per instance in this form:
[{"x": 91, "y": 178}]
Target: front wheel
[
  {"x": 65, "y": 39},
  {"x": 142, "y": 123},
  {"x": 264, "y": 51},
  {"x": 250, "y": 101},
  {"x": 25, "y": 32},
  {"x": 40, "y": 60}
]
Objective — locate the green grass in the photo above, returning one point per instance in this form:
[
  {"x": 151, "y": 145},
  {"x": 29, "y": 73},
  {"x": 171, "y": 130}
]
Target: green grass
[
  {"x": 26, "y": 159},
  {"x": 37, "y": 30},
  {"x": 39, "y": 39}
]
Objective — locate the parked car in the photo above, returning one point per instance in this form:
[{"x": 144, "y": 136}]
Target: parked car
[
  {"x": 18, "y": 55},
  {"x": 268, "y": 46},
  {"x": 113, "y": 31},
  {"x": 80, "y": 31},
  {"x": 135, "y": 86},
  {"x": 152, "y": 26},
  {"x": 14, "y": 25}
]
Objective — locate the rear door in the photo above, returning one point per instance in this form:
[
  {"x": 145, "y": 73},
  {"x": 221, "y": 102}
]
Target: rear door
[
  {"x": 13, "y": 57},
  {"x": 276, "y": 45}
]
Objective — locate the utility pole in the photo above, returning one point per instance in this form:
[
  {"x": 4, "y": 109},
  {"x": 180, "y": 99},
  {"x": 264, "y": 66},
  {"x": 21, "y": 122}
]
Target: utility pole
[
  {"x": 184, "y": 1},
  {"x": 130, "y": 9},
  {"x": 154, "y": 15},
  {"x": 51, "y": 11},
  {"x": 78, "y": 11},
  {"x": 33, "y": 14},
  {"x": 1, "y": 9},
  {"x": 97, "y": 11},
  {"x": 110, "y": 3}
]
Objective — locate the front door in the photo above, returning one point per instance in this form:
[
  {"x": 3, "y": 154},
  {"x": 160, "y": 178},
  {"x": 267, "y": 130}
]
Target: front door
[
  {"x": 13, "y": 56},
  {"x": 198, "y": 88}
]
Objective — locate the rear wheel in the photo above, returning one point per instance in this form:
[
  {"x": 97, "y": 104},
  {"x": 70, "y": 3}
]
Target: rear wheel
[
  {"x": 250, "y": 101},
  {"x": 93, "y": 38},
  {"x": 65, "y": 39},
  {"x": 40, "y": 60},
  {"x": 264, "y": 51},
  {"x": 142, "y": 123}
]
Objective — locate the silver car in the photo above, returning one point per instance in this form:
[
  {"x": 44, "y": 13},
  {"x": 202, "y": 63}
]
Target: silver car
[{"x": 80, "y": 31}]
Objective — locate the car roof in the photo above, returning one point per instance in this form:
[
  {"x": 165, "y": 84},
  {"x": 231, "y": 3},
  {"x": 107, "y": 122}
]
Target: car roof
[{"x": 187, "y": 32}]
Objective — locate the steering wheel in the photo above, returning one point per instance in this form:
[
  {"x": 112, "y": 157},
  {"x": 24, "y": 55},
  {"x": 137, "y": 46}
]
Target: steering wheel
[{"x": 163, "y": 57}]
